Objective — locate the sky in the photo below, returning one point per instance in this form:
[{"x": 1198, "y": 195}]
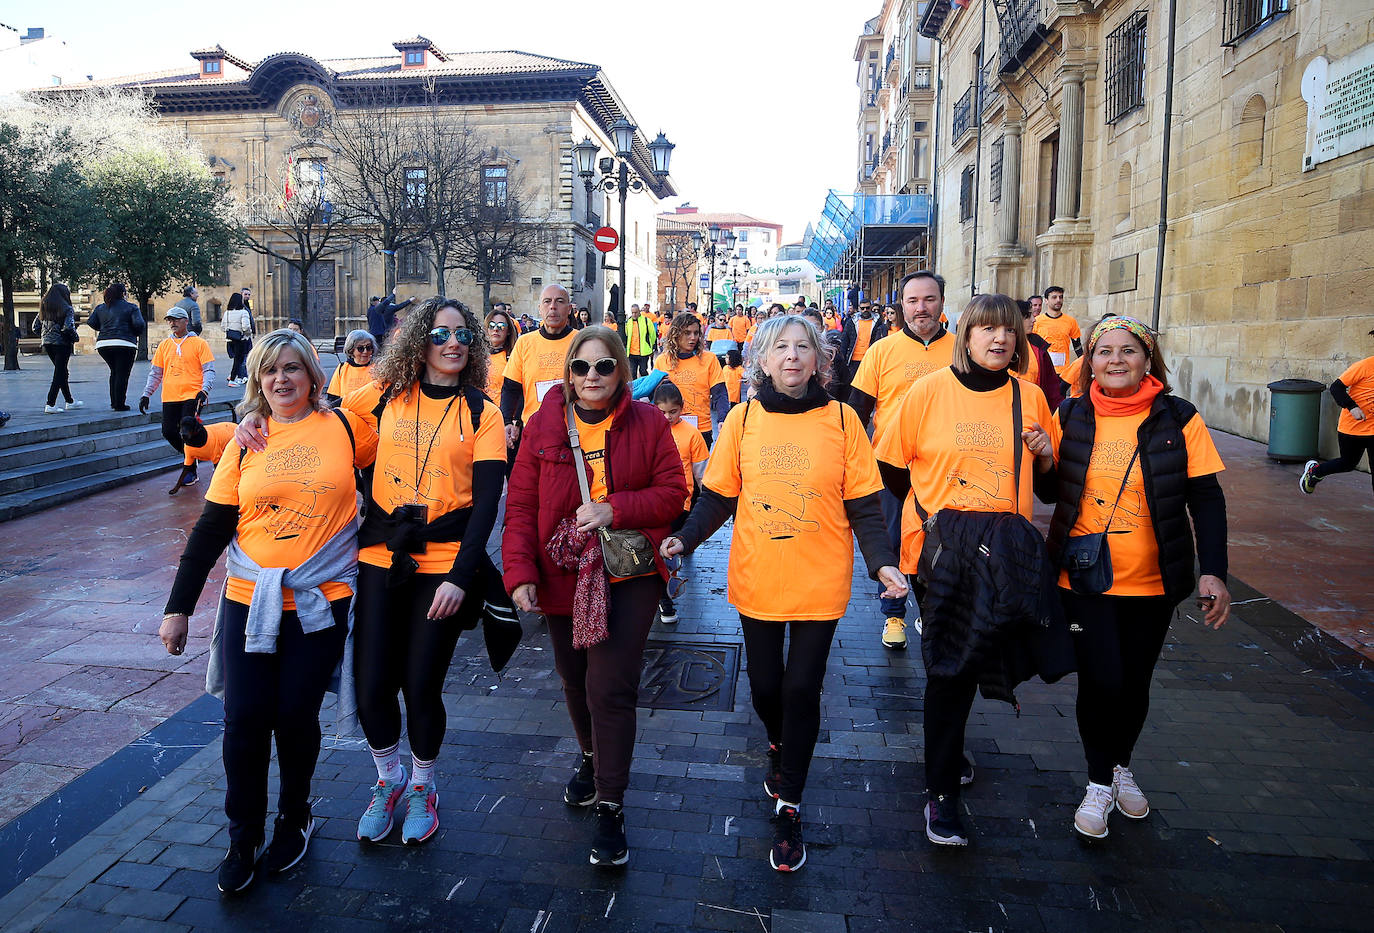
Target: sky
[{"x": 758, "y": 95}]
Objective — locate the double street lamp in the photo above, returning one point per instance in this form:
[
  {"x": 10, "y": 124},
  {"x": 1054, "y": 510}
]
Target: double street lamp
[
  {"x": 722, "y": 244},
  {"x": 616, "y": 175}
]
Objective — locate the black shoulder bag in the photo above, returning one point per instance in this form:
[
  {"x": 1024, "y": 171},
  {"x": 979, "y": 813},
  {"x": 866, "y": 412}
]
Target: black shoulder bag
[
  {"x": 626, "y": 552},
  {"x": 1088, "y": 558}
]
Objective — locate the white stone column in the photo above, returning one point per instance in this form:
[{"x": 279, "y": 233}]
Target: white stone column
[
  {"x": 1070, "y": 165},
  {"x": 1009, "y": 226}
]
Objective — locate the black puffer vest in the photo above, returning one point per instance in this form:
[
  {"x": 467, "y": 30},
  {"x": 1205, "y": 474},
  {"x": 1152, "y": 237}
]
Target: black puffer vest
[{"x": 1164, "y": 466}]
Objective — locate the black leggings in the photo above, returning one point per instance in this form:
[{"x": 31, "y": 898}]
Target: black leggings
[
  {"x": 787, "y": 696},
  {"x": 61, "y": 355},
  {"x": 948, "y": 701},
  {"x": 274, "y": 694},
  {"x": 601, "y": 683},
  {"x": 397, "y": 650},
  {"x": 1117, "y": 648},
  {"x": 172, "y": 413},
  {"x": 238, "y": 353},
  {"x": 1352, "y": 448},
  {"x": 121, "y": 363}
]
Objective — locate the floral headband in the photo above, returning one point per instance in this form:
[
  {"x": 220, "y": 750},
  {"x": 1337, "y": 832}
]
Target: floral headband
[{"x": 1137, "y": 329}]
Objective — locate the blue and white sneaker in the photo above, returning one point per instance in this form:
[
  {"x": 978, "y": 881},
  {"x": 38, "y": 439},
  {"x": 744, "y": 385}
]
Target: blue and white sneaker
[
  {"x": 422, "y": 814},
  {"x": 379, "y": 816}
]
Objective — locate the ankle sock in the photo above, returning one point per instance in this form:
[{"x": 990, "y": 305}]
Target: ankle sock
[
  {"x": 422, "y": 772},
  {"x": 388, "y": 762}
]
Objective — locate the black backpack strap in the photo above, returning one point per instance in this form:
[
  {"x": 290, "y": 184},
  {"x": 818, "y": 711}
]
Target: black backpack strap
[
  {"x": 386, "y": 396},
  {"x": 476, "y": 400},
  {"x": 352, "y": 442},
  {"x": 1016, "y": 444}
]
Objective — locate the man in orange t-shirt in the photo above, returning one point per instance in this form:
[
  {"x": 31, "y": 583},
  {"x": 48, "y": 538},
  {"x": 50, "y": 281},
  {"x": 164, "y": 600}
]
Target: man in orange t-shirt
[
  {"x": 184, "y": 367},
  {"x": 1060, "y": 330},
  {"x": 1354, "y": 392}
]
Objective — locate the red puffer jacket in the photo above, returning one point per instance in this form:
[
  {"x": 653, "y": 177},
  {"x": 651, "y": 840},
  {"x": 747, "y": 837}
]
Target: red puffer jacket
[{"x": 644, "y": 475}]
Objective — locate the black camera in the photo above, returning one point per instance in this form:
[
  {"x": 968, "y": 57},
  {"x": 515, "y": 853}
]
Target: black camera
[{"x": 413, "y": 517}]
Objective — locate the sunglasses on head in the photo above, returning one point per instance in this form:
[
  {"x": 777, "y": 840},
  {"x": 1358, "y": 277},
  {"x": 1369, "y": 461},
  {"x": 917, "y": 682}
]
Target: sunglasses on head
[
  {"x": 440, "y": 335},
  {"x": 604, "y": 366}
]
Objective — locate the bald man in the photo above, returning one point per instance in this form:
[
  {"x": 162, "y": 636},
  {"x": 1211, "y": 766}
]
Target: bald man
[{"x": 536, "y": 362}]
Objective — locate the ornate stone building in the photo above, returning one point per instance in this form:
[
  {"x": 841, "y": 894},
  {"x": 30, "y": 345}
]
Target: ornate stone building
[
  {"x": 530, "y": 110},
  {"x": 1050, "y": 155}
]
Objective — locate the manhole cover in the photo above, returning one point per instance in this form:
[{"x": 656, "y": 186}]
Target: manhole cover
[{"x": 689, "y": 675}]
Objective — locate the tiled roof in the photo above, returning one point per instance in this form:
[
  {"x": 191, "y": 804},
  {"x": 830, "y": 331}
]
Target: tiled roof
[{"x": 723, "y": 219}]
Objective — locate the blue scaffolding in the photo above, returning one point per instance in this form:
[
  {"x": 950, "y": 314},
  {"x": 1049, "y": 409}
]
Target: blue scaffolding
[{"x": 858, "y": 234}]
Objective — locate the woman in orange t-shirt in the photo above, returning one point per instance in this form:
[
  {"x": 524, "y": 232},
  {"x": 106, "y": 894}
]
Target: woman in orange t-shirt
[
  {"x": 501, "y": 335},
  {"x": 796, "y": 471},
  {"x": 1135, "y": 462},
  {"x": 695, "y": 372},
  {"x": 1354, "y": 392},
  {"x": 288, "y": 516},
  {"x": 360, "y": 349}
]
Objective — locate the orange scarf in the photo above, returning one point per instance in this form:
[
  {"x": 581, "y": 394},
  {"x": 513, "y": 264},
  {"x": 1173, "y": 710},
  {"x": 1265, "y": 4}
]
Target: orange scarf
[{"x": 1110, "y": 407}]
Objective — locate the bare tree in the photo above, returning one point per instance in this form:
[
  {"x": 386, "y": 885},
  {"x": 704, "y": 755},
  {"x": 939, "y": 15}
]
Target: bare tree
[
  {"x": 451, "y": 187},
  {"x": 497, "y": 233},
  {"x": 678, "y": 257}
]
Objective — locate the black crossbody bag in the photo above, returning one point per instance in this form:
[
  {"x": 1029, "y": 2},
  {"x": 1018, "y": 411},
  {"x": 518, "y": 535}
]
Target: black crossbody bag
[{"x": 1088, "y": 558}]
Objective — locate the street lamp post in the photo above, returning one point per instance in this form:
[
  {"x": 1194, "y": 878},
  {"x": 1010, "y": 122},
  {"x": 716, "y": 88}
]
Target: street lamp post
[
  {"x": 745, "y": 267},
  {"x": 722, "y": 244},
  {"x": 616, "y": 175}
]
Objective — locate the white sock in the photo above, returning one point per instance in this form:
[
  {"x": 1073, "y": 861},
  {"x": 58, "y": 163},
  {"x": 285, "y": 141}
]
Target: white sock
[
  {"x": 777, "y": 808},
  {"x": 388, "y": 762},
  {"x": 422, "y": 772}
]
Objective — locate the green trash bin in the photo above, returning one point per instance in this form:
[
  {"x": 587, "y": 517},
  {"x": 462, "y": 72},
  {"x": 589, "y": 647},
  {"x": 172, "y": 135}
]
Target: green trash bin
[{"x": 1294, "y": 416}]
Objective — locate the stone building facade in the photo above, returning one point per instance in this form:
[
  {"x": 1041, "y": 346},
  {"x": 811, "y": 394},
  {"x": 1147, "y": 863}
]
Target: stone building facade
[
  {"x": 530, "y": 110},
  {"x": 1049, "y": 173}
]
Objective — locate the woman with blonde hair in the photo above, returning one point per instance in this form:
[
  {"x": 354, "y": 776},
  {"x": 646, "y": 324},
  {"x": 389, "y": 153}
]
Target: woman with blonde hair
[
  {"x": 696, "y": 373},
  {"x": 953, "y": 455},
  {"x": 288, "y": 515},
  {"x": 792, "y": 554}
]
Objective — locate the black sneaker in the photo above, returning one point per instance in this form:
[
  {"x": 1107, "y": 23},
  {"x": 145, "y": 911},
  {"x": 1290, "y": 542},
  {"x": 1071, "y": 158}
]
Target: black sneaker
[
  {"x": 609, "y": 846},
  {"x": 773, "y": 779},
  {"x": 239, "y": 866},
  {"x": 789, "y": 851},
  {"x": 288, "y": 845},
  {"x": 966, "y": 772},
  {"x": 580, "y": 790},
  {"x": 943, "y": 826},
  {"x": 667, "y": 612}
]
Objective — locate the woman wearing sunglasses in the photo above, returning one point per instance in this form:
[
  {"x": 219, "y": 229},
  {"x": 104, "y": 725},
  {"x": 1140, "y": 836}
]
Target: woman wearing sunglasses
[
  {"x": 796, "y": 471},
  {"x": 360, "y": 349},
  {"x": 501, "y": 334},
  {"x": 598, "y": 627}
]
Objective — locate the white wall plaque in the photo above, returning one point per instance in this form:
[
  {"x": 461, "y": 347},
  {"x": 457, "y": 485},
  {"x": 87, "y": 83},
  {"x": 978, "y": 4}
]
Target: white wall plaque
[{"x": 1340, "y": 106}]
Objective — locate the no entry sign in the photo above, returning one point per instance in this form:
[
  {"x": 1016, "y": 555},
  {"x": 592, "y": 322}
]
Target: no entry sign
[{"x": 607, "y": 239}]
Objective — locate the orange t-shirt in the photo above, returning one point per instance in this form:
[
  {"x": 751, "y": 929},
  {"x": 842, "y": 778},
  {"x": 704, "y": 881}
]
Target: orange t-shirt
[
  {"x": 217, "y": 437},
  {"x": 592, "y": 439},
  {"x": 409, "y": 424},
  {"x": 892, "y": 365},
  {"x": 692, "y": 449},
  {"x": 959, "y": 446},
  {"x": 294, "y": 496},
  {"x": 1070, "y": 375},
  {"x": 1060, "y": 332},
  {"x": 496, "y": 374},
  {"x": 739, "y": 328},
  {"x": 719, "y": 333},
  {"x": 183, "y": 366},
  {"x": 347, "y": 378},
  {"x": 863, "y": 336},
  {"x": 792, "y": 475},
  {"x": 695, "y": 378},
  {"x": 753, "y": 330},
  {"x": 1359, "y": 382},
  {"x": 536, "y": 363},
  {"x": 1134, "y": 550},
  {"x": 734, "y": 375}
]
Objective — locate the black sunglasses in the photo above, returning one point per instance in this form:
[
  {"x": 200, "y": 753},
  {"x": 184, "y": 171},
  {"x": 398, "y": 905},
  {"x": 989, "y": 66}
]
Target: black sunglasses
[
  {"x": 604, "y": 366},
  {"x": 498, "y": 325},
  {"x": 440, "y": 336},
  {"x": 364, "y": 348}
]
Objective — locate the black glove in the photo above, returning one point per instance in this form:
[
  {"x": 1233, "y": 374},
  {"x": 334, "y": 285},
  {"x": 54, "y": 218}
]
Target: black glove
[
  {"x": 143, "y": 405},
  {"x": 201, "y": 398}
]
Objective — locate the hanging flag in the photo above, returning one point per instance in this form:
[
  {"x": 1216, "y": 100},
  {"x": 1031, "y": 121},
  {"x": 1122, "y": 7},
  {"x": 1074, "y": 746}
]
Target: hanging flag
[
  {"x": 289, "y": 169},
  {"x": 962, "y": 4}
]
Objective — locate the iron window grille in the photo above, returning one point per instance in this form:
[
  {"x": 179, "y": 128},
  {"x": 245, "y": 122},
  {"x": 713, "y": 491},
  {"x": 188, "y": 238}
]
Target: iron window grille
[
  {"x": 412, "y": 265},
  {"x": 1126, "y": 67},
  {"x": 963, "y": 115},
  {"x": 995, "y": 172},
  {"x": 966, "y": 194},
  {"x": 1243, "y": 17}
]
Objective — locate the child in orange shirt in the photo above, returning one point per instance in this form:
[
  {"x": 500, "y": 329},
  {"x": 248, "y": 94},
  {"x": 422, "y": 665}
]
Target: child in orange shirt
[
  {"x": 691, "y": 447},
  {"x": 734, "y": 376}
]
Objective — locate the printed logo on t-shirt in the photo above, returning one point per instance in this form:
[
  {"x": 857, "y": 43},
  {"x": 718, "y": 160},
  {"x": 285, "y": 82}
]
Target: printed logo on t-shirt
[
  {"x": 1106, "y": 469},
  {"x": 596, "y": 460},
  {"x": 915, "y": 370},
  {"x": 398, "y": 473},
  {"x": 551, "y": 361},
  {"x": 779, "y": 505},
  {"x": 294, "y": 507},
  {"x": 980, "y": 480},
  {"x": 298, "y": 458}
]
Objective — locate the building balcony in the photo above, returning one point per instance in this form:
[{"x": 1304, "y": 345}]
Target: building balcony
[
  {"x": 920, "y": 77},
  {"x": 1025, "y": 27},
  {"x": 964, "y": 118}
]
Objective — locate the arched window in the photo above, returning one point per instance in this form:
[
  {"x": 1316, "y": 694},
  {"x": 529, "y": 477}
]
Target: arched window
[
  {"x": 1123, "y": 197},
  {"x": 1250, "y": 136}
]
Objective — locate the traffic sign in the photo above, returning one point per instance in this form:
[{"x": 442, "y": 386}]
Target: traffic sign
[{"x": 606, "y": 239}]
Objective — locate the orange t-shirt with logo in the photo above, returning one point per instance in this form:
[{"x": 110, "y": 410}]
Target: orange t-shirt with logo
[
  {"x": 892, "y": 365},
  {"x": 347, "y": 378},
  {"x": 1060, "y": 333},
  {"x": 863, "y": 336},
  {"x": 1131, "y": 538},
  {"x": 408, "y": 425},
  {"x": 592, "y": 439},
  {"x": 1070, "y": 374},
  {"x": 691, "y": 447},
  {"x": 496, "y": 374},
  {"x": 183, "y": 366},
  {"x": 694, "y": 377},
  {"x": 217, "y": 437},
  {"x": 959, "y": 446},
  {"x": 1359, "y": 383},
  {"x": 734, "y": 375},
  {"x": 739, "y": 328},
  {"x": 294, "y": 496},
  {"x": 792, "y": 475},
  {"x": 536, "y": 363}
]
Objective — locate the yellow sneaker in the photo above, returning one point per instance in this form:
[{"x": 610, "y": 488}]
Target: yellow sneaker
[{"x": 894, "y": 634}]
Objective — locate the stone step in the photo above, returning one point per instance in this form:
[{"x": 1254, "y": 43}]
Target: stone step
[
  {"x": 33, "y": 454},
  {"x": 25, "y": 503},
  {"x": 91, "y": 421},
  {"x": 30, "y": 479}
]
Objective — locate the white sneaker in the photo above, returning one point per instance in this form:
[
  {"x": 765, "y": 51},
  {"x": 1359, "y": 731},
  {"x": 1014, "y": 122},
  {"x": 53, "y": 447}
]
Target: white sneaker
[
  {"x": 72, "y": 405},
  {"x": 51, "y": 410},
  {"x": 1130, "y": 801},
  {"x": 1091, "y": 818}
]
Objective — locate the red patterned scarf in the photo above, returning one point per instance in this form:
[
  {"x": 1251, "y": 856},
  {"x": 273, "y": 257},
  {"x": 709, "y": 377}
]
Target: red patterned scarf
[{"x": 581, "y": 551}]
